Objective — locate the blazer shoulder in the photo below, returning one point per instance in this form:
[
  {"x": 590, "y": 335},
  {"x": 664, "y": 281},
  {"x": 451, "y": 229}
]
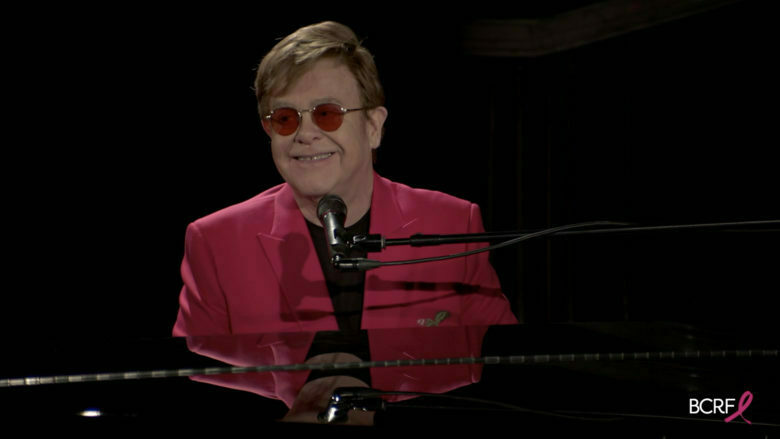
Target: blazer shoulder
[
  {"x": 427, "y": 198},
  {"x": 257, "y": 210}
]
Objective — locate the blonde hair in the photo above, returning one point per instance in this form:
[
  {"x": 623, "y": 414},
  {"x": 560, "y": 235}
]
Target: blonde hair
[{"x": 295, "y": 54}]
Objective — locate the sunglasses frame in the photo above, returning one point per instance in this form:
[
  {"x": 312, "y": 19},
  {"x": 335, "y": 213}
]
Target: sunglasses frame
[{"x": 268, "y": 117}]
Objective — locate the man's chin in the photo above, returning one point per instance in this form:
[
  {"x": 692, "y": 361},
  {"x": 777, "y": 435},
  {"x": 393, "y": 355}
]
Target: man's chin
[{"x": 314, "y": 191}]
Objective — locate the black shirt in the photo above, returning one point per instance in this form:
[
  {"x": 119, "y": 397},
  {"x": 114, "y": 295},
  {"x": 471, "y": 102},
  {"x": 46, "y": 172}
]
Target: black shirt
[
  {"x": 345, "y": 287},
  {"x": 346, "y": 293}
]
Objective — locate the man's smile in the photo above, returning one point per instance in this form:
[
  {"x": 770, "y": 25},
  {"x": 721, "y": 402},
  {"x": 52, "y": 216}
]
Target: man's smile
[{"x": 313, "y": 157}]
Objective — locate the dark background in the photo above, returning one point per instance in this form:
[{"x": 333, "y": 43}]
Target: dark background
[{"x": 123, "y": 125}]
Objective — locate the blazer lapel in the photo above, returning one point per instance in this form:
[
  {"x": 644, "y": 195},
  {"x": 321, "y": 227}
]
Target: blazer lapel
[
  {"x": 384, "y": 296},
  {"x": 386, "y": 216},
  {"x": 293, "y": 259}
]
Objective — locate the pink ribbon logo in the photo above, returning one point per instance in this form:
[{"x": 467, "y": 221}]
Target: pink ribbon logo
[{"x": 744, "y": 402}]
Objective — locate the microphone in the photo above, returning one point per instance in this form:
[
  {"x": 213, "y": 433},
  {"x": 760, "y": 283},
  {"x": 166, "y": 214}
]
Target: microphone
[{"x": 332, "y": 212}]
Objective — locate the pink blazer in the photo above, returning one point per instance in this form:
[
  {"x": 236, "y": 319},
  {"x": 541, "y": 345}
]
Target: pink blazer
[{"x": 252, "y": 268}]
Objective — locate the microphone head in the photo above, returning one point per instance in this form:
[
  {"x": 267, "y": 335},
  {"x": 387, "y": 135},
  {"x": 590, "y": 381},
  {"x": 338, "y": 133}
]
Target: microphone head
[{"x": 331, "y": 203}]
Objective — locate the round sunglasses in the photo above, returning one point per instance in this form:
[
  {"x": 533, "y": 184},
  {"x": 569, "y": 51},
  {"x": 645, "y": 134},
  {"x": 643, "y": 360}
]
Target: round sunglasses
[{"x": 328, "y": 117}]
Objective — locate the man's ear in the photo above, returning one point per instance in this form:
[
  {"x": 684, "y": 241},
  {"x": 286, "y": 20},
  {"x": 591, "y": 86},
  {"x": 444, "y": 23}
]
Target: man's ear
[{"x": 376, "y": 121}]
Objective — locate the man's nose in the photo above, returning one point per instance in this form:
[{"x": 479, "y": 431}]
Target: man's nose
[{"x": 307, "y": 128}]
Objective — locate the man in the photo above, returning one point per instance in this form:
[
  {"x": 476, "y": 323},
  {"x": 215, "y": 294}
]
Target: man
[{"x": 263, "y": 266}]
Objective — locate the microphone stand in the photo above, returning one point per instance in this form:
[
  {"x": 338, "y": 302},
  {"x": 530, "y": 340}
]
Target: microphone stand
[{"x": 377, "y": 243}]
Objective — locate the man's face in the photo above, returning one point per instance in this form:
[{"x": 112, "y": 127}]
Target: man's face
[{"x": 315, "y": 162}]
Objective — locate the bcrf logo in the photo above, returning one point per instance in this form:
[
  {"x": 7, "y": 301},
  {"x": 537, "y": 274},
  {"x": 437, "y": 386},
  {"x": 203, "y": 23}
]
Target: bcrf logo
[{"x": 720, "y": 406}]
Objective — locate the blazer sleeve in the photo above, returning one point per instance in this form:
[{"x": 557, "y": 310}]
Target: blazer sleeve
[
  {"x": 486, "y": 304},
  {"x": 202, "y": 304}
]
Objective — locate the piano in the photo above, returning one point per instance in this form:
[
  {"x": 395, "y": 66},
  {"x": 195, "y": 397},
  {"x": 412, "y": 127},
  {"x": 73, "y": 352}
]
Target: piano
[{"x": 641, "y": 379}]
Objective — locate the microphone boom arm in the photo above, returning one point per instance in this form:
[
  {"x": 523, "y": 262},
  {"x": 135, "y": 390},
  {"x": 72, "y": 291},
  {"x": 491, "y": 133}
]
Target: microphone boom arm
[{"x": 376, "y": 243}]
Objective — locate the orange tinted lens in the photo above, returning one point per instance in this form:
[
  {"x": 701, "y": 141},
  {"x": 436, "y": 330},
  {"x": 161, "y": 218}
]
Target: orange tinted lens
[
  {"x": 328, "y": 116},
  {"x": 284, "y": 121}
]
